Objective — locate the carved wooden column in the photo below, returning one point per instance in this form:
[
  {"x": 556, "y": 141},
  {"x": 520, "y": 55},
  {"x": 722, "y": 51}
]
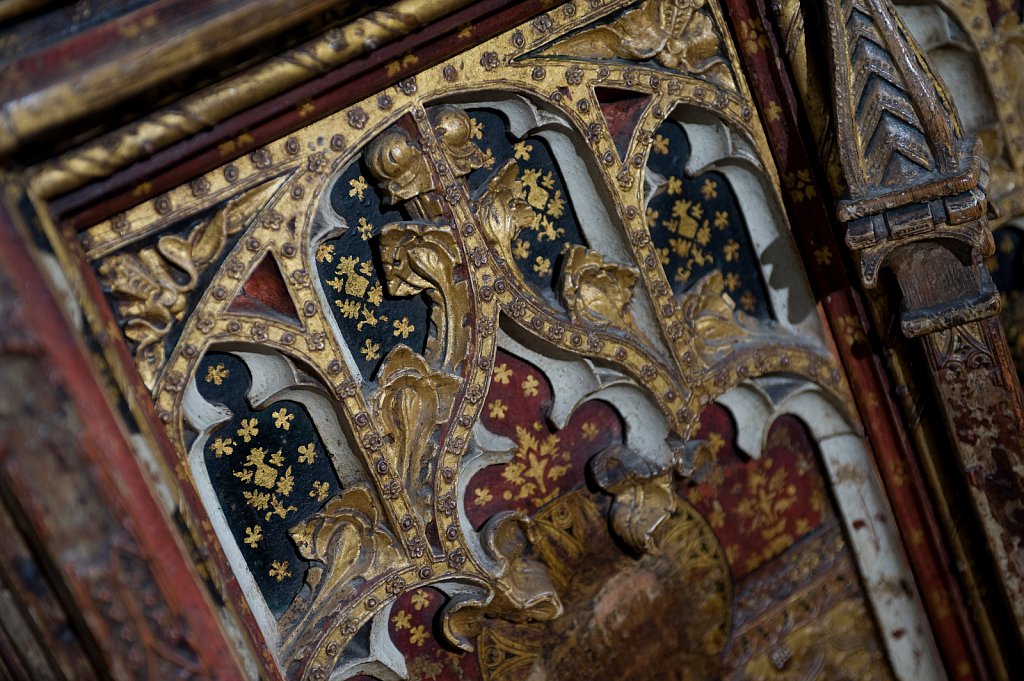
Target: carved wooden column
[{"x": 916, "y": 205}]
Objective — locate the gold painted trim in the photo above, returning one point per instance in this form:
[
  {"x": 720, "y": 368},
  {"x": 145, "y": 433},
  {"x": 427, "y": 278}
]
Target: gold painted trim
[{"x": 104, "y": 156}]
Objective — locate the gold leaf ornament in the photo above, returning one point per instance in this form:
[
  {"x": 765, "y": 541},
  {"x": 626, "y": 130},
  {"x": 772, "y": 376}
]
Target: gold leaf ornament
[
  {"x": 342, "y": 540},
  {"x": 712, "y": 318},
  {"x": 503, "y": 209},
  {"x": 675, "y": 33},
  {"x": 412, "y": 400},
  {"x": 521, "y": 591},
  {"x": 421, "y": 258},
  {"x": 150, "y": 297},
  {"x": 596, "y": 291}
]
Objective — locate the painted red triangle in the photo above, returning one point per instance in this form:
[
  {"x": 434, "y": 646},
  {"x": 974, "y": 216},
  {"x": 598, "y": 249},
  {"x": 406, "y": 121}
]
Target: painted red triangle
[
  {"x": 621, "y": 109},
  {"x": 265, "y": 293}
]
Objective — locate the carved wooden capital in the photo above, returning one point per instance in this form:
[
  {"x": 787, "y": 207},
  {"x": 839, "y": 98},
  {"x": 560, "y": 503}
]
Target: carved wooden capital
[{"x": 917, "y": 185}]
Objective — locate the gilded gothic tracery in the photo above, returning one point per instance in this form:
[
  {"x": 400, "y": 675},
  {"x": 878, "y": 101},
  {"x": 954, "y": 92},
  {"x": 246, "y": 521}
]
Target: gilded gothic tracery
[{"x": 472, "y": 344}]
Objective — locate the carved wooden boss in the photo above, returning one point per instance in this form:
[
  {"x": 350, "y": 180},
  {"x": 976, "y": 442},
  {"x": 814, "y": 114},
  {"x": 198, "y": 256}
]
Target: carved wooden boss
[{"x": 493, "y": 374}]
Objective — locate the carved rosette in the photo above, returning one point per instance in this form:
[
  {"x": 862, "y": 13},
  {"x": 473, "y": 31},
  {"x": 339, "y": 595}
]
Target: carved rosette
[{"x": 444, "y": 210}]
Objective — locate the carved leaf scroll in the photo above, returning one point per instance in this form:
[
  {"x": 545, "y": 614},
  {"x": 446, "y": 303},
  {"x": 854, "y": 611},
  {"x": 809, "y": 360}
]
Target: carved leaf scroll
[
  {"x": 503, "y": 209},
  {"x": 412, "y": 400},
  {"x": 418, "y": 259},
  {"x": 678, "y": 34},
  {"x": 343, "y": 540},
  {"x": 712, "y": 317}
]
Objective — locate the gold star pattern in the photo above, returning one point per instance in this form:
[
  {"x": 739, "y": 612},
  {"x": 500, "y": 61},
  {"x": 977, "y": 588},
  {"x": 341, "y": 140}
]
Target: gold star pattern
[
  {"x": 370, "y": 350},
  {"x": 282, "y": 419},
  {"x": 216, "y": 374},
  {"x": 223, "y": 446},
  {"x": 420, "y": 599},
  {"x": 496, "y": 410},
  {"x": 279, "y": 570},
  {"x": 502, "y": 373},
  {"x": 403, "y": 328},
  {"x": 249, "y": 430}
]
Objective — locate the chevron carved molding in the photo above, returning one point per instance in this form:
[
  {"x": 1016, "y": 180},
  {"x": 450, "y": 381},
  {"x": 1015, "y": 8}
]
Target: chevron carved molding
[{"x": 917, "y": 184}]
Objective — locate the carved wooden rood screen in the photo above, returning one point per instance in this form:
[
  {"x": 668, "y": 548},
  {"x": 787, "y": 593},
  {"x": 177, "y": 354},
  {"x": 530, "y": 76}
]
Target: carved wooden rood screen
[{"x": 512, "y": 370}]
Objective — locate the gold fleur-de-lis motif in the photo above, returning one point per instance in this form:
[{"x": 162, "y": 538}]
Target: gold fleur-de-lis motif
[
  {"x": 320, "y": 490},
  {"x": 307, "y": 453},
  {"x": 253, "y": 536},
  {"x": 357, "y": 187}
]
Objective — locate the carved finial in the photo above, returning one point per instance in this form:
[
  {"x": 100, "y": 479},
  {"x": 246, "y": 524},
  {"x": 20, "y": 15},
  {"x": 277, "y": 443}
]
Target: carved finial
[
  {"x": 401, "y": 167},
  {"x": 455, "y": 131},
  {"x": 644, "y": 497},
  {"x": 522, "y": 588},
  {"x": 917, "y": 187}
]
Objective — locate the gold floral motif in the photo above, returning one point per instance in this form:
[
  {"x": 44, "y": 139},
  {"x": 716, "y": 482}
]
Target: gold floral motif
[
  {"x": 216, "y": 374},
  {"x": 537, "y": 467},
  {"x": 402, "y": 620},
  {"x": 270, "y": 484},
  {"x": 253, "y": 536},
  {"x": 223, "y": 447},
  {"x": 282, "y": 419},
  {"x": 249, "y": 429},
  {"x": 307, "y": 453},
  {"x": 320, "y": 490},
  {"x": 279, "y": 570}
]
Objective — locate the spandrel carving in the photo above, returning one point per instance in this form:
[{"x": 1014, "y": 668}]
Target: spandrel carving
[
  {"x": 678, "y": 34},
  {"x": 152, "y": 286}
]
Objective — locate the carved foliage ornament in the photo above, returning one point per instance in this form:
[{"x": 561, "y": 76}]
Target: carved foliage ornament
[{"x": 469, "y": 210}]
